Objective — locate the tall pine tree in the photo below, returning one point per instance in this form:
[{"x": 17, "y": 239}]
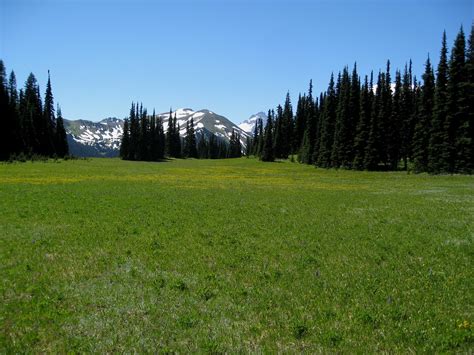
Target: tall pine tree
[
  {"x": 438, "y": 161},
  {"x": 267, "y": 150},
  {"x": 423, "y": 125}
]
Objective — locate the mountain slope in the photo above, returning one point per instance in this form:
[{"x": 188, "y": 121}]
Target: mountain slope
[
  {"x": 249, "y": 124},
  {"x": 94, "y": 139},
  {"x": 102, "y": 139}
]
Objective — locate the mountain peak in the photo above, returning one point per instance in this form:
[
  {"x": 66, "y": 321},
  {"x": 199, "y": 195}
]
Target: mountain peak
[{"x": 249, "y": 124}]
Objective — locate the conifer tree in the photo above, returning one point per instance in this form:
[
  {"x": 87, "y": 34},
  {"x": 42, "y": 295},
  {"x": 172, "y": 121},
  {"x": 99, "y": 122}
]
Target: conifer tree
[
  {"x": 354, "y": 117},
  {"x": 287, "y": 127},
  {"x": 305, "y": 156},
  {"x": 464, "y": 159},
  {"x": 248, "y": 146},
  {"x": 125, "y": 143},
  {"x": 457, "y": 105},
  {"x": 32, "y": 116},
  {"x": 177, "y": 139},
  {"x": 339, "y": 152},
  {"x": 385, "y": 115},
  {"x": 15, "y": 139},
  {"x": 203, "y": 148},
  {"x": 160, "y": 136},
  {"x": 186, "y": 142},
  {"x": 60, "y": 137},
  {"x": 423, "y": 123},
  {"x": 235, "y": 147},
  {"x": 144, "y": 138},
  {"x": 170, "y": 136},
  {"x": 395, "y": 122},
  {"x": 5, "y": 131},
  {"x": 300, "y": 123},
  {"x": 279, "y": 136},
  {"x": 407, "y": 106},
  {"x": 133, "y": 146},
  {"x": 49, "y": 122},
  {"x": 362, "y": 130},
  {"x": 467, "y": 132},
  {"x": 256, "y": 138},
  {"x": 317, "y": 136},
  {"x": 312, "y": 123},
  {"x": 154, "y": 139},
  {"x": 267, "y": 150},
  {"x": 438, "y": 158},
  {"x": 260, "y": 138},
  {"x": 372, "y": 150},
  {"x": 213, "y": 147},
  {"x": 190, "y": 142},
  {"x": 328, "y": 119}
]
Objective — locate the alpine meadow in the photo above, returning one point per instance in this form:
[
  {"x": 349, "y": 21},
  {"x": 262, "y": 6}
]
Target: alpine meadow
[{"x": 340, "y": 220}]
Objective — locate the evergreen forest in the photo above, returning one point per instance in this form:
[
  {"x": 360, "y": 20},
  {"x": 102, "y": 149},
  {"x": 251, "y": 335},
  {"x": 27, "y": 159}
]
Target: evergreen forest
[
  {"x": 31, "y": 127},
  {"x": 380, "y": 122},
  {"x": 144, "y": 139}
]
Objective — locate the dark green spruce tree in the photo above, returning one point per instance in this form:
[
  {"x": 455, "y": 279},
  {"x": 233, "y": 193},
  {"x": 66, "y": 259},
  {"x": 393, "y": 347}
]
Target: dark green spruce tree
[
  {"x": 423, "y": 125},
  {"x": 342, "y": 132},
  {"x": 32, "y": 116},
  {"x": 49, "y": 122},
  {"x": 12, "y": 126},
  {"x": 372, "y": 149},
  {"x": 467, "y": 133},
  {"x": 287, "y": 127},
  {"x": 363, "y": 126},
  {"x": 406, "y": 113},
  {"x": 125, "y": 142},
  {"x": 267, "y": 150},
  {"x": 190, "y": 141},
  {"x": 300, "y": 123},
  {"x": 463, "y": 142},
  {"x": 134, "y": 133},
  {"x": 60, "y": 137},
  {"x": 235, "y": 146},
  {"x": 312, "y": 122},
  {"x": 328, "y": 119},
  {"x": 438, "y": 161},
  {"x": 6, "y": 129},
  {"x": 279, "y": 136},
  {"x": 457, "y": 105},
  {"x": 394, "y": 124}
]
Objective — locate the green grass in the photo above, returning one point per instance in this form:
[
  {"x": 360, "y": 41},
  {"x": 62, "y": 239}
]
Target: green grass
[{"x": 233, "y": 256}]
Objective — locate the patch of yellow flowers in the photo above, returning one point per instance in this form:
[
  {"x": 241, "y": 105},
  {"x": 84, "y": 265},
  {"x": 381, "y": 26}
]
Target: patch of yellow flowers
[{"x": 464, "y": 325}]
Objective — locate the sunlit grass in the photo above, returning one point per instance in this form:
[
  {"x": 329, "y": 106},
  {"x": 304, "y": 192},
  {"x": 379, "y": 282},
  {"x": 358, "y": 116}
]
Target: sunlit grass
[{"x": 233, "y": 256}]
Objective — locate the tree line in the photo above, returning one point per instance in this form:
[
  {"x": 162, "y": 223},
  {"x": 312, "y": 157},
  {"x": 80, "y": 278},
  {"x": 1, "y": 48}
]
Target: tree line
[
  {"x": 30, "y": 126},
  {"x": 144, "y": 139},
  {"x": 424, "y": 126}
]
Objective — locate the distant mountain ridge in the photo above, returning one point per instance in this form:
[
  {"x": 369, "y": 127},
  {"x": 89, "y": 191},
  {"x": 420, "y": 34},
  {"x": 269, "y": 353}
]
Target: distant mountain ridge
[{"x": 102, "y": 139}]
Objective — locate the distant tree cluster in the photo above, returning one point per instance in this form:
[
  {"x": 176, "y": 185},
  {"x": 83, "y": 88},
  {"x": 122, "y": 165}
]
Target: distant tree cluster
[
  {"x": 144, "y": 139},
  {"x": 426, "y": 126},
  {"x": 29, "y": 125},
  {"x": 143, "y": 136}
]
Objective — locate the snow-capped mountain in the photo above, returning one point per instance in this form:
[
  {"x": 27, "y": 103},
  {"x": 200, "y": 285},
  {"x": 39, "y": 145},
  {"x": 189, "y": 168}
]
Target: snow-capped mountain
[
  {"x": 94, "y": 139},
  {"x": 102, "y": 139},
  {"x": 249, "y": 124}
]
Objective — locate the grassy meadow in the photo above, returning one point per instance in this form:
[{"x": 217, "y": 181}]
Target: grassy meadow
[{"x": 234, "y": 255}]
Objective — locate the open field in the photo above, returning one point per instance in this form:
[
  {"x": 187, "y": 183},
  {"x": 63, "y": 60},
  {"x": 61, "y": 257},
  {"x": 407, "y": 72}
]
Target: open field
[{"x": 233, "y": 255}]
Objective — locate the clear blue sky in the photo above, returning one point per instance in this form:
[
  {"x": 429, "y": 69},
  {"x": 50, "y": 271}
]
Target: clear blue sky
[{"x": 233, "y": 57}]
